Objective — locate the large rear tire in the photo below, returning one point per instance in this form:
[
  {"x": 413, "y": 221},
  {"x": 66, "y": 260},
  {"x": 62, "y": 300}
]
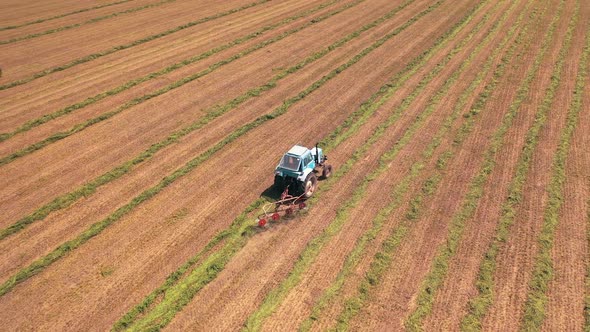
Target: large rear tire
[
  {"x": 327, "y": 171},
  {"x": 309, "y": 185}
]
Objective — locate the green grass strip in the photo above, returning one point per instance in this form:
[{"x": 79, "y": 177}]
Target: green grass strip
[
  {"x": 339, "y": 135},
  {"x": 237, "y": 227},
  {"x": 479, "y": 305},
  {"x": 182, "y": 293},
  {"x": 153, "y": 75},
  {"x": 41, "y": 263},
  {"x": 128, "y": 45},
  {"x": 277, "y": 295},
  {"x": 534, "y": 309},
  {"x": 89, "y": 188},
  {"x": 41, "y": 20},
  {"x": 436, "y": 276},
  {"x": 382, "y": 259},
  {"x": 72, "y": 26}
]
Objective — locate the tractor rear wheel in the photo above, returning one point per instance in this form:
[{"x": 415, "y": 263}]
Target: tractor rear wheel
[
  {"x": 327, "y": 171},
  {"x": 309, "y": 185}
]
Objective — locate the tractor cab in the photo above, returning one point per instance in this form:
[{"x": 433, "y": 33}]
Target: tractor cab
[{"x": 296, "y": 170}]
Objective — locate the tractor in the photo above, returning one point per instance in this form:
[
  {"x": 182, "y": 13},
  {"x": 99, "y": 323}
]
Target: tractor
[
  {"x": 296, "y": 171},
  {"x": 296, "y": 177}
]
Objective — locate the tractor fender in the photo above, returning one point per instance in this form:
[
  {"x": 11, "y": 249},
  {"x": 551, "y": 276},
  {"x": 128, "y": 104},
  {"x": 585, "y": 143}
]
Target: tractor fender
[{"x": 304, "y": 175}]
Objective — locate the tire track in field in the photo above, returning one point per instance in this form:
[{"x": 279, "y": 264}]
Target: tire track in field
[
  {"x": 41, "y": 20},
  {"x": 94, "y": 20},
  {"x": 89, "y": 188},
  {"x": 127, "y": 46},
  {"x": 98, "y": 227},
  {"x": 166, "y": 70}
]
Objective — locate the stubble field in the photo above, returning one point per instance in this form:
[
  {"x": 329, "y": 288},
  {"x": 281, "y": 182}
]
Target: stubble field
[{"x": 138, "y": 140}]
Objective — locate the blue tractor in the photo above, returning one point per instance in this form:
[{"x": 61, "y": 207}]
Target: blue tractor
[{"x": 297, "y": 169}]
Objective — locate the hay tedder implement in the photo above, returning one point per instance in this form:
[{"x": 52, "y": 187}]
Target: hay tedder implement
[{"x": 296, "y": 177}]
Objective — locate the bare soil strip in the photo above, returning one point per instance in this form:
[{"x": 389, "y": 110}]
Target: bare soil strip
[
  {"x": 93, "y": 20},
  {"x": 121, "y": 47},
  {"x": 78, "y": 127},
  {"x": 36, "y": 10},
  {"x": 30, "y": 124}
]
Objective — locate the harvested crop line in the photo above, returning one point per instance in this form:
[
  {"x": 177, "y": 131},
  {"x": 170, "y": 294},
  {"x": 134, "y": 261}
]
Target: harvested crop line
[
  {"x": 94, "y": 20},
  {"x": 11, "y": 27},
  {"x": 356, "y": 255},
  {"x": 153, "y": 75},
  {"x": 382, "y": 260},
  {"x": 182, "y": 293},
  {"x": 128, "y": 45},
  {"x": 446, "y": 251},
  {"x": 95, "y": 229},
  {"x": 534, "y": 310},
  {"x": 66, "y": 200},
  {"x": 339, "y": 135},
  {"x": 215, "y": 111},
  {"x": 277, "y": 295}
]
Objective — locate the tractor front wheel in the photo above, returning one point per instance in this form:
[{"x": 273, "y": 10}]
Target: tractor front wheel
[{"x": 309, "y": 185}]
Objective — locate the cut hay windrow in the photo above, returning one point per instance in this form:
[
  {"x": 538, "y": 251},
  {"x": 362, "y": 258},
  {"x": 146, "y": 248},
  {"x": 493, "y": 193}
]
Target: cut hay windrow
[
  {"x": 357, "y": 254},
  {"x": 41, "y": 20},
  {"x": 96, "y": 228},
  {"x": 89, "y": 188},
  {"x": 127, "y": 46},
  {"x": 382, "y": 259},
  {"x": 181, "y": 294},
  {"x": 446, "y": 251},
  {"x": 94, "y": 20},
  {"x": 332, "y": 140},
  {"x": 168, "y": 69},
  {"x": 534, "y": 308},
  {"x": 278, "y": 294}
]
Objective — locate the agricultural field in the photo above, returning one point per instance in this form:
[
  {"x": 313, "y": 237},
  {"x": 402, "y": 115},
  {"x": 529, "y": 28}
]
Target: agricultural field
[{"x": 138, "y": 141}]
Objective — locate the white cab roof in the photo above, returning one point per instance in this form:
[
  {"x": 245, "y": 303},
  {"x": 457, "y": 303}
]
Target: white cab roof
[{"x": 297, "y": 150}]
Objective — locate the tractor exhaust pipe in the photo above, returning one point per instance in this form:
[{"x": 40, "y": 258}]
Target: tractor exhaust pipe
[{"x": 317, "y": 154}]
